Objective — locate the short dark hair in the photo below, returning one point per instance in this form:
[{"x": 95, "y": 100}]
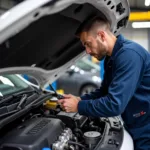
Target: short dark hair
[{"x": 88, "y": 23}]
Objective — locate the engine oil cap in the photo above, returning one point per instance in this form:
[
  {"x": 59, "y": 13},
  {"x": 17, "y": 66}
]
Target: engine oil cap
[
  {"x": 92, "y": 137},
  {"x": 92, "y": 134}
]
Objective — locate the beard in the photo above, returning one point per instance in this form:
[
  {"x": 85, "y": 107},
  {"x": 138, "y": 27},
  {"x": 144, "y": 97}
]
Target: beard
[
  {"x": 101, "y": 58},
  {"x": 101, "y": 51},
  {"x": 98, "y": 57}
]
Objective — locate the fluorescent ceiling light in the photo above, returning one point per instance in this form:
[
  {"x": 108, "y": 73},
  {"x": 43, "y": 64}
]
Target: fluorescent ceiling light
[
  {"x": 147, "y": 2},
  {"x": 141, "y": 24}
]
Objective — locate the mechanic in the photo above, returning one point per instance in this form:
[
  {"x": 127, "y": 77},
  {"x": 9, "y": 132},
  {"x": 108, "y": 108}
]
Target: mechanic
[{"x": 125, "y": 89}]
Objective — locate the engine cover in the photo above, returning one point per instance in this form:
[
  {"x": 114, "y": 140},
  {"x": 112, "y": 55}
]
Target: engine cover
[{"x": 33, "y": 134}]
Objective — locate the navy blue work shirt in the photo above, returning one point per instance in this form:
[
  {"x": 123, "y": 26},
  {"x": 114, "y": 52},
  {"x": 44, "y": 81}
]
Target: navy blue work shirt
[{"x": 126, "y": 86}]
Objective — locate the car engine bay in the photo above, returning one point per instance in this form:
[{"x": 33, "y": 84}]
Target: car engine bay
[{"x": 47, "y": 125}]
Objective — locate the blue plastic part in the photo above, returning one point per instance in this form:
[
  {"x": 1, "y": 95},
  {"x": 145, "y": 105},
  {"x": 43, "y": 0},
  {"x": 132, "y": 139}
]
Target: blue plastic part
[
  {"x": 54, "y": 84},
  {"x": 46, "y": 148},
  {"x": 102, "y": 69}
]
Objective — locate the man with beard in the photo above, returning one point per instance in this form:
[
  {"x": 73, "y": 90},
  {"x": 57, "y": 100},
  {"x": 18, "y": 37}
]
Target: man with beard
[{"x": 125, "y": 89}]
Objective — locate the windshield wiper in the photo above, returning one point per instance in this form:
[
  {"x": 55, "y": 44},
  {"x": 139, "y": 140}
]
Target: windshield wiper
[
  {"x": 6, "y": 99},
  {"x": 13, "y": 108},
  {"x": 17, "y": 106},
  {"x": 22, "y": 101}
]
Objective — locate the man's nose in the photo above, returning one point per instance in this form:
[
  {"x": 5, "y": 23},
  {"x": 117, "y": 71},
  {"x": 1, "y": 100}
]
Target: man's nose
[{"x": 88, "y": 50}]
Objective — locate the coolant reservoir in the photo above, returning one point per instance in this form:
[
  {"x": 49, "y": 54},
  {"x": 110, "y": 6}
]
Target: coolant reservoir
[{"x": 50, "y": 104}]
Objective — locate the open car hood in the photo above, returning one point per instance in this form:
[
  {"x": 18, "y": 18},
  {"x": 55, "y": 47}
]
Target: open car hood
[{"x": 37, "y": 36}]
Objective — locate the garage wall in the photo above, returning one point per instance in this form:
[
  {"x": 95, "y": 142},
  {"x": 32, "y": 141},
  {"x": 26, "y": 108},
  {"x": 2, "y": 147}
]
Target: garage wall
[{"x": 138, "y": 35}]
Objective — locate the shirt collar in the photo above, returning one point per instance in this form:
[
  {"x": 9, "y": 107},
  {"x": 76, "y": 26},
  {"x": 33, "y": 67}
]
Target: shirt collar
[{"x": 118, "y": 45}]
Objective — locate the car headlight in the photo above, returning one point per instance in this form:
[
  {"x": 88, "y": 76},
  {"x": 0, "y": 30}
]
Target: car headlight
[{"x": 96, "y": 79}]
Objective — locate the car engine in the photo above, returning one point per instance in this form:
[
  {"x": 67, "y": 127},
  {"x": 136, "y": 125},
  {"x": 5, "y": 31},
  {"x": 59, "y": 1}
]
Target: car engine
[{"x": 48, "y": 126}]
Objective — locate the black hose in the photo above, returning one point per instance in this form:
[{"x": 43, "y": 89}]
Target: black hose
[
  {"x": 76, "y": 140},
  {"x": 75, "y": 143},
  {"x": 77, "y": 130}
]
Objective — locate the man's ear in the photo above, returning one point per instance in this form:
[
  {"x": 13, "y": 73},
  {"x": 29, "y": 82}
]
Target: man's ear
[{"x": 102, "y": 35}]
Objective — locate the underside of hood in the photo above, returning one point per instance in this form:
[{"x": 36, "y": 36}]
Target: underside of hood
[{"x": 38, "y": 36}]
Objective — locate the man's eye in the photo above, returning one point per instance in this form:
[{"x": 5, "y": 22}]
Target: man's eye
[{"x": 87, "y": 44}]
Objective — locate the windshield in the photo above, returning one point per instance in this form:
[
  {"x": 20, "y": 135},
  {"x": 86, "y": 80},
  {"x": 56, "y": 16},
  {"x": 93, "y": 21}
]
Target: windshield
[{"x": 10, "y": 84}]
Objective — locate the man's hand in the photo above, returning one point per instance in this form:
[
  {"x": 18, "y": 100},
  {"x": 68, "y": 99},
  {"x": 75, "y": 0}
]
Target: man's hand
[{"x": 69, "y": 103}]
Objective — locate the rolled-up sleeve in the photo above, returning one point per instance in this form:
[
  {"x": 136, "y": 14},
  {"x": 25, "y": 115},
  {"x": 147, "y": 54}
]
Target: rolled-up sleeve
[{"x": 127, "y": 73}]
